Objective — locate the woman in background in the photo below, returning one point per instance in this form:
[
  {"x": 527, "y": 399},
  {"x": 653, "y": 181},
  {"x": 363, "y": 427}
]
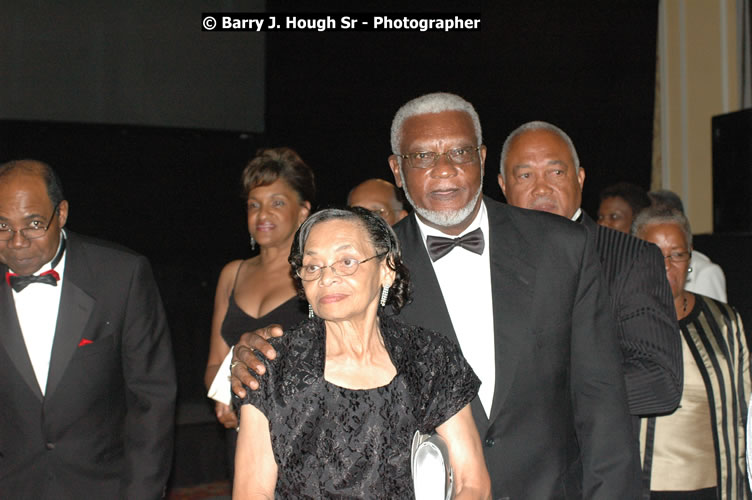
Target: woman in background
[
  {"x": 620, "y": 204},
  {"x": 698, "y": 452},
  {"x": 279, "y": 189}
]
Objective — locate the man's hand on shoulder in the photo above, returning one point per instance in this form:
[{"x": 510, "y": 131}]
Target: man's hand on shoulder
[{"x": 245, "y": 363}]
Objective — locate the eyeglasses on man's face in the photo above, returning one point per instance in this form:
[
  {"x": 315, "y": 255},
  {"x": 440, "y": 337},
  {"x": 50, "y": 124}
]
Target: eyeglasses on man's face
[
  {"x": 36, "y": 229},
  {"x": 343, "y": 267},
  {"x": 428, "y": 159}
]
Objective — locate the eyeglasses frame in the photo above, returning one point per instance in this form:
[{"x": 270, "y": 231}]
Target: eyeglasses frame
[
  {"x": 321, "y": 269},
  {"x": 22, "y": 231},
  {"x": 435, "y": 162}
]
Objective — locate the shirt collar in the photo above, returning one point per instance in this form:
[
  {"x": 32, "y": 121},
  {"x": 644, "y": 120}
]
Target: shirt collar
[{"x": 577, "y": 214}]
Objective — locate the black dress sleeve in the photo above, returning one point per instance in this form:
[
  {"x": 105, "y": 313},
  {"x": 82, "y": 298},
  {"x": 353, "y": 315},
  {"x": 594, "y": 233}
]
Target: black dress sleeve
[
  {"x": 298, "y": 362},
  {"x": 436, "y": 367},
  {"x": 262, "y": 397}
]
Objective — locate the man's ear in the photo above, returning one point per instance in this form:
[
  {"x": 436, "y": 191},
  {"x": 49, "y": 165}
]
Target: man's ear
[
  {"x": 502, "y": 184},
  {"x": 395, "y": 166},
  {"x": 581, "y": 178},
  {"x": 62, "y": 213}
]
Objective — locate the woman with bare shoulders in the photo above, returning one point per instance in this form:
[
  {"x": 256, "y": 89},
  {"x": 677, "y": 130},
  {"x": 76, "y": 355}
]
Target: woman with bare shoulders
[{"x": 279, "y": 189}]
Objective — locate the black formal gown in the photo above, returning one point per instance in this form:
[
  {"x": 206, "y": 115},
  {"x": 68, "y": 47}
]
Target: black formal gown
[{"x": 333, "y": 442}]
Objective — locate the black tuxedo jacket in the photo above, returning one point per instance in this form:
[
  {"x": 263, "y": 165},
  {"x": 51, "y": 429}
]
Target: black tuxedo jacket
[
  {"x": 559, "y": 425},
  {"x": 104, "y": 428},
  {"x": 643, "y": 308}
]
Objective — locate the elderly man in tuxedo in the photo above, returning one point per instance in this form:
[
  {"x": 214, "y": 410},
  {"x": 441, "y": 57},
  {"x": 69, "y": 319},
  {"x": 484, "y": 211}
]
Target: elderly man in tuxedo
[
  {"x": 522, "y": 294},
  {"x": 88, "y": 379},
  {"x": 540, "y": 170}
]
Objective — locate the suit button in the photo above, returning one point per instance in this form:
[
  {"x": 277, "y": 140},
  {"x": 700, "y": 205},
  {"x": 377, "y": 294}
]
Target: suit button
[
  {"x": 489, "y": 442},
  {"x": 50, "y": 446}
]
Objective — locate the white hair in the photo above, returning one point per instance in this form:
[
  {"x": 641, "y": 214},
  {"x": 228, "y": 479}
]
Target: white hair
[
  {"x": 653, "y": 216},
  {"x": 532, "y": 127},
  {"x": 432, "y": 103}
]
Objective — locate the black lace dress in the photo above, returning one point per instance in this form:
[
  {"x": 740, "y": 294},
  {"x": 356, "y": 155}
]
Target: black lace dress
[{"x": 332, "y": 442}]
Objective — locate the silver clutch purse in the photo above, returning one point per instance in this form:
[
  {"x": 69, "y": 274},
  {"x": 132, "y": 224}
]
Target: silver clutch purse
[{"x": 433, "y": 478}]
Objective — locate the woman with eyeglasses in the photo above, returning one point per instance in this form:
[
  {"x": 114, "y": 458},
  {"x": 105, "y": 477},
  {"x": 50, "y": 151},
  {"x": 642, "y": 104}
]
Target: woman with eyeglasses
[
  {"x": 698, "y": 452},
  {"x": 337, "y": 408},
  {"x": 278, "y": 190}
]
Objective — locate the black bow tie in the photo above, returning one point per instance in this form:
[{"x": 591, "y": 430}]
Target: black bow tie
[
  {"x": 439, "y": 246},
  {"x": 19, "y": 282}
]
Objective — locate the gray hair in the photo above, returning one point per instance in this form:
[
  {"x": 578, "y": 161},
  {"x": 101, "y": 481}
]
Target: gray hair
[
  {"x": 663, "y": 198},
  {"x": 437, "y": 102},
  {"x": 532, "y": 127},
  {"x": 652, "y": 216}
]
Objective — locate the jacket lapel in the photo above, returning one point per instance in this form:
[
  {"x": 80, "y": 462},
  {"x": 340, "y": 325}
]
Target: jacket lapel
[
  {"x": 12, "y": 340},
  {"x": 512, "y": 285},
  {"x": 76, "y": 306},
  {"x": 427, "y": 296}
]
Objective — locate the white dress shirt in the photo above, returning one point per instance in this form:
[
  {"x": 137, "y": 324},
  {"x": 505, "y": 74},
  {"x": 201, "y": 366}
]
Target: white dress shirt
[
  {"x": 37, "y": 307},
  {"x": 465, "y": 281}
]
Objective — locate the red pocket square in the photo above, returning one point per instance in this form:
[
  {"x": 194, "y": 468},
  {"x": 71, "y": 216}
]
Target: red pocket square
[{"x": 84, "y": 342}]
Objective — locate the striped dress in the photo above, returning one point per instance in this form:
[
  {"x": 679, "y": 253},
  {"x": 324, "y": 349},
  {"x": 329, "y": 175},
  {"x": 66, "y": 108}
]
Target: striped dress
[{"x": 715, "y": 336}]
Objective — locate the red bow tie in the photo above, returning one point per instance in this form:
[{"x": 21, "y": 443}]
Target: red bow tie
[{"x": 19, "y": 282}]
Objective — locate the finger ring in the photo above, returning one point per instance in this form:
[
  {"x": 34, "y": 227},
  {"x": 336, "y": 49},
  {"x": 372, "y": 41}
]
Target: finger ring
[{"x": 234, "y": 364}]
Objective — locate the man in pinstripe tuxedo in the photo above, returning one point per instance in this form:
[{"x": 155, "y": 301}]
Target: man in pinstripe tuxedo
[{"x": 540, "y": 170}]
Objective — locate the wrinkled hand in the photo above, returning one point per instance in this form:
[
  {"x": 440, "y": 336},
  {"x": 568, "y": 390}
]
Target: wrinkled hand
[
  {"x": 244, "y": 360},
  {"x": 226, "y": 415}
]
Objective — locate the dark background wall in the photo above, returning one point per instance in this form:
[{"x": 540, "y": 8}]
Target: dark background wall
[
  {"x": 138, "y": 63},
  {"x": 173, "y": 193},
  {"x": 588, "y": 67}
]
